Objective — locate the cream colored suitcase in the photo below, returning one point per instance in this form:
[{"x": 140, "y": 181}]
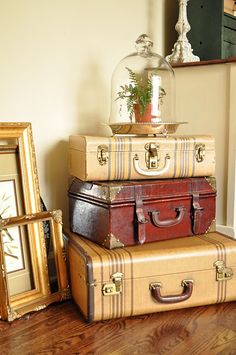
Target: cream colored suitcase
[
  {"x": 135, "y": 158},
  {"x": 153, "y": 277}
]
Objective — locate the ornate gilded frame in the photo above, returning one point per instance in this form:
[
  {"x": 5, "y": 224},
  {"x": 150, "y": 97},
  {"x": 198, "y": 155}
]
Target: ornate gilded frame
[
  {"x": 18, "y": 136},
  {"x": 20, "y": 133},
  {"x": 16, "y": 306}
]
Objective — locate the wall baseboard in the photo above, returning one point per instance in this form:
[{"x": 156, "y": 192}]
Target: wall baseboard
[{"x": 230, "y": 231}]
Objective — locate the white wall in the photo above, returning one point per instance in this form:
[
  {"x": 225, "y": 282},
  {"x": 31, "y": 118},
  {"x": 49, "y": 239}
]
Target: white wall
[
  {"x": 206, "y": 100},
  {"x": 231, "y": 176},
  {"x": 56, "y": 62}
]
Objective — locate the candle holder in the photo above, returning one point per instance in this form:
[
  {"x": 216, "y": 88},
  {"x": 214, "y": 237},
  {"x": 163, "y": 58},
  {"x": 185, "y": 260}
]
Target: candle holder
[{"x": 182, "y": 51}]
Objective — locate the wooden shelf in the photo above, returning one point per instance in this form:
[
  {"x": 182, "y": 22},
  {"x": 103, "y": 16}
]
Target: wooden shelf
[{"x": 205, "y": 62}]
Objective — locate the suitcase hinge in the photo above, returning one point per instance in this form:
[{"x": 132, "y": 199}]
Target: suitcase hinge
[
  {"x": 200, "y": 150},
  {"x": 114, "y": 288},
  {"x": 102, "y": 154},
  {"x": 222, "y": 272},
  {"x": 152, "y": 155}
]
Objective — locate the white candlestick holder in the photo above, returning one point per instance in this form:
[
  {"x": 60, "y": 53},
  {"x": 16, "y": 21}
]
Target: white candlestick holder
[{"x": 182, "y": 51}]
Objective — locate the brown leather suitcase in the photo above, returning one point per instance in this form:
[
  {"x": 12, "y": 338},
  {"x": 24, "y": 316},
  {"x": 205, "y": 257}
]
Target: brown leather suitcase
[
  {"x": 153, "y": 277},
  {"x": 140, "y": 158},
  {"x": 117, "y": 214}
]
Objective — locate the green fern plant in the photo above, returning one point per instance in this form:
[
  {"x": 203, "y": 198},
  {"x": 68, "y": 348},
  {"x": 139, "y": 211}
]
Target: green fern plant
[{"x": 139, "y": 91}]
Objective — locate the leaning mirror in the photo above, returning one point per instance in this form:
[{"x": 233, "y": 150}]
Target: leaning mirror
[{"x": 26, "y": 284}]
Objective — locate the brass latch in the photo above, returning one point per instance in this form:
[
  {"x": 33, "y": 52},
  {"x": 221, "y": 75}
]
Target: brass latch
[
  {"x": 152, "y": 156},
  {"x": 115, "y": 287},
  {"x": 222, "y": 272},
  {"x": 102, "y": 154},
  {"x": 200, "y": 152}
]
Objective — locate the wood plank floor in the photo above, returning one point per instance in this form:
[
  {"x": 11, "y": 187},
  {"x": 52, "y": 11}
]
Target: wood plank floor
[{"x": 60, "y": 329}]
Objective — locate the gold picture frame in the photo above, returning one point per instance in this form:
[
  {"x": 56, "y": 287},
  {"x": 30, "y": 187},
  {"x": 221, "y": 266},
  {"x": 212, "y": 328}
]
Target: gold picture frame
[
  {"x": 20, "y": 134},
  {"x": 19, "y": 184},
  {"x": 16, "y": 306}
]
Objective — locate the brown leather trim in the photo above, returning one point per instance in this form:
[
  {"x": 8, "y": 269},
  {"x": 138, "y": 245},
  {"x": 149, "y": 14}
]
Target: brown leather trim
[
  {"x": 94, "y": 249},
  {"x": 89, "y": 278}
]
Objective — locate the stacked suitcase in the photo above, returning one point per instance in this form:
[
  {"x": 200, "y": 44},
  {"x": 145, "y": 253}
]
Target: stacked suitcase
[{"x": 142, "y": 220}]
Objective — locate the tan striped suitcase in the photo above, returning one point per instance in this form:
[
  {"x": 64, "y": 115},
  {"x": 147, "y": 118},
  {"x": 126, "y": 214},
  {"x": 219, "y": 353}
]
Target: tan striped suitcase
[
  {"x": 153, "y": 277},
  {"x": 136, "y": 158}
]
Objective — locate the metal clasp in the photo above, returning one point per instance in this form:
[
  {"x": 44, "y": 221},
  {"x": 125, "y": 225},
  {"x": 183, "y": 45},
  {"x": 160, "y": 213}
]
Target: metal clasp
[
  {"x": 114, "y": 288},
  {"x": 222, "y": 272},
  {"x": 102, "y": 154},
  {"x": 152, "y": 155},
  {"x": 154, "y": 285},
  {"x": 200, "y": 150}
]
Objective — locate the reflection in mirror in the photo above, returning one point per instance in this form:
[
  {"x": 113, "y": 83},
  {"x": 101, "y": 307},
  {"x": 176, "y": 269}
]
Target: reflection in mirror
[
  {"x": 31, "y": 283},
  {"x": 18, "y": 260}
]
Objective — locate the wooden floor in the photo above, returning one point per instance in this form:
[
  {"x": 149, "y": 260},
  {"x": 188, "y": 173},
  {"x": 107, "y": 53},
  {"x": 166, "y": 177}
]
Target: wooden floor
[{"x": 60, "y": 329}]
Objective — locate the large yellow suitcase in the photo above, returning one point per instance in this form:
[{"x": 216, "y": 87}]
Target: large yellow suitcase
[
  {"x": 153, "y": 277},
  {"x": 137, "y": 158}
]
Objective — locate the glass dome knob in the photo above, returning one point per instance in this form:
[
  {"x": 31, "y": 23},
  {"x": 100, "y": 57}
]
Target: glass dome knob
[{"x": 143, "y": 45}]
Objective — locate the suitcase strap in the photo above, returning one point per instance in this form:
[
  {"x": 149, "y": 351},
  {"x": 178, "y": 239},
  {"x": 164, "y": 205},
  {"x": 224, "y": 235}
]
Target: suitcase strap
[
  {"x": 197, "y": 213},
  {"x": 141, "y": 219}
]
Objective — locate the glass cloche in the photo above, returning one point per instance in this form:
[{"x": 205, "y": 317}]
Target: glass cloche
[{"x": 142, "y": 90}]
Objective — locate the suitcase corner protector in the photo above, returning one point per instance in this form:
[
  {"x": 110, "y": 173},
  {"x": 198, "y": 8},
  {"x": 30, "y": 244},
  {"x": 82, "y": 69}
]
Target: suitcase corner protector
[{"x": 111, "y": 242}]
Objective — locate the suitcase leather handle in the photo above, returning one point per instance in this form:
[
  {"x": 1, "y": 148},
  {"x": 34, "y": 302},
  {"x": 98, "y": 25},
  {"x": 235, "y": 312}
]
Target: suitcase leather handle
[
  {"x": 147, "y": 172},
  {"x": 168, "y": 222},
  {"x": 187, "y": 292}
]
